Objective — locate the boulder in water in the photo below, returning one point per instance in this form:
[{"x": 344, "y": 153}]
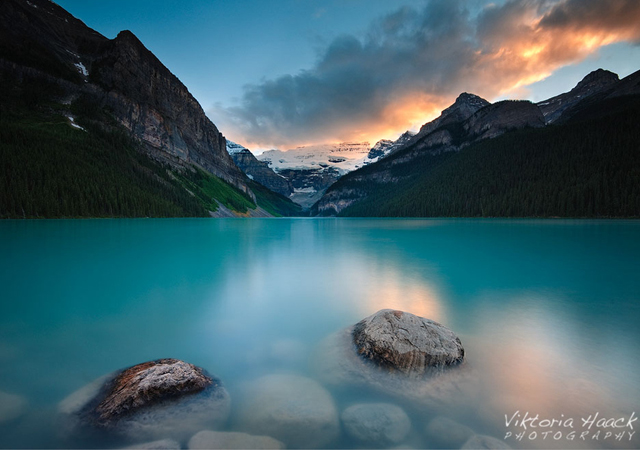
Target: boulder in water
[
  {"x": 166, "y": 398},
  {"x": 400, "y": 341},
  {"x": 433, "y": 390}
]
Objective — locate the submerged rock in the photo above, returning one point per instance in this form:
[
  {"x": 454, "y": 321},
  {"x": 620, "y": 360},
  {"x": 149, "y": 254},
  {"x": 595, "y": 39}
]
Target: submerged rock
[
  {"x": 376, "y": 423},
  {"x": 479, "y": 442},
  {"x": 231, "y": 440},
  {"x": 162, "y": 398},
  {"x": 400, "y": 341},
  {"x": 163, "y": 444},
  {"x": 294, "y": 409},
  {"x": 447, "y": 433},
  {"x": 12, "y": 406}
]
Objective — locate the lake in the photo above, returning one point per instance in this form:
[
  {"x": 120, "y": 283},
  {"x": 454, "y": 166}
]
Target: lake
[{"x": 548, "y": 311}]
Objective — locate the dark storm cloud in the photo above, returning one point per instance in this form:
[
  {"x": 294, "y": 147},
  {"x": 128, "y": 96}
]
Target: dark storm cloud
[{"x": 412, "y": 63}]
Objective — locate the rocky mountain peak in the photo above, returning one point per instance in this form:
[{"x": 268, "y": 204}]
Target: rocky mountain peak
[
  {"x": 597, "y": 79},
  {"x": 471, "y": 99},
  {"x": 464, "y": 107},
  {"x": 404, "y": 137}
]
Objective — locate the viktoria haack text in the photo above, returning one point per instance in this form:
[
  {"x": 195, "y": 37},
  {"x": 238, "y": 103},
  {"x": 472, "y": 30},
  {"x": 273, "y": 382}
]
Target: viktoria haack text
[{"x": 527, "y": 426}]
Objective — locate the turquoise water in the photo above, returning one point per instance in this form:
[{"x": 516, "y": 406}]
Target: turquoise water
[{"x": 548, "y": 310}]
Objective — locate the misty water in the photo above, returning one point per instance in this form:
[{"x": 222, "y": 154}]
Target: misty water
[{"x": 548, "y": 312}]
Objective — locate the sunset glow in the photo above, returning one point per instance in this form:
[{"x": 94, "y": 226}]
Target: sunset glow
[{"x": 372, "y": 88}]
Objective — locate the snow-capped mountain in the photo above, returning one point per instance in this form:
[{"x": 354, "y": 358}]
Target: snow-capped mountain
[
  {"x": 258, "y": 170},
  {"x": 344, "y": 157},
  {"x": 385, "y": 147},
  {"x": 312, "y": 169}
]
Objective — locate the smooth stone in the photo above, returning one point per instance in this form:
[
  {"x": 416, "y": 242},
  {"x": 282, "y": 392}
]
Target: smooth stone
[
  {"x": 232, "y": 440},
  {"x": 12, "y": 406},
  {"x": 163, "y": 444},
  {"x": 400, "y": 341},
  {"x": 482, "y": 442},
  {"x": 296, "y": 410},
  {"x": 376, "y": 423},
  {"x": 75, "y": 401},
  {"x": 337, "y": 364},
  {"x": 165, "y": 398},
  {"x": 447, "y": 433}
]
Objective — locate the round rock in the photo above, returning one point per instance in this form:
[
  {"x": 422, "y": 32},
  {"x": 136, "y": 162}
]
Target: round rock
[
  {"x": 376, "y": 423},
  {"x": 231, "y": 440},
  {"x": 152, "y": 400},
  {"x": 12, "y": 406},
  {"x": 479, "y": 441},
  {"x": 447, "y": 433},
  {"x": 400, "y": 341},
  {"x": 294, "y": 409}
]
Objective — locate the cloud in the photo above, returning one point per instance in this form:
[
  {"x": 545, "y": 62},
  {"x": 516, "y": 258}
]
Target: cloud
[{"x": 412, "y": 63}]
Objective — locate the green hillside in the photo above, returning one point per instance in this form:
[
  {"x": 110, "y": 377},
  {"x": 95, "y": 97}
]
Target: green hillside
[{"x": 50, "y": 169}]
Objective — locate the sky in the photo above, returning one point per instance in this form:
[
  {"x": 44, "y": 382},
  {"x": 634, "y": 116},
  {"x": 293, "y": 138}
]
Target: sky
[{"x": 285, "y": 73}]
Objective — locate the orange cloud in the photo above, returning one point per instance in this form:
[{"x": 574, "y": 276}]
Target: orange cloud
[{"x": 413, "y": 64}]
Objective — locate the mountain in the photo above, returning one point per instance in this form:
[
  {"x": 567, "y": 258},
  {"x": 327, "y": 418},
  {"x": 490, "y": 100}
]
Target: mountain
[
  {"x": 385, "y": 147},
  {"x": 464, "y": 107},
  {"x": 312, "y": 169},
  {"x": 594, "y": 83},
  {"x": 258, "y": 171},
  {"x": 502, "y": 160},
  {"x": 109, "y": 114}
]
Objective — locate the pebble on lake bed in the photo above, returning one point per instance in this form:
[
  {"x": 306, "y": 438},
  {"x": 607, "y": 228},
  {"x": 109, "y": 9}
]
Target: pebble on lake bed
[
  {"x": 446, "y": 433},
  {"x": 12, "y": 406},
  {"x": 294, "y": 409},
  {"x": 479, "y": 441},
  {"x": 163, "y": 444},
  {"x": 232, "y": 440},
  {"x": 376, "y": 423}
]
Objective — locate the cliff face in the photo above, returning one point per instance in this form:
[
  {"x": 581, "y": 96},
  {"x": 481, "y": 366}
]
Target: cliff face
[
  {"x": 258, "y": 170},
  {"x": 121, "y": 75},
  {"x": 500, "y": 117}
]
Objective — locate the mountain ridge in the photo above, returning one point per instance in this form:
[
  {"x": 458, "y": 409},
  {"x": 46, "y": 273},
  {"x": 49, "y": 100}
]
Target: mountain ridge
[{"x": 446, "y": 142}]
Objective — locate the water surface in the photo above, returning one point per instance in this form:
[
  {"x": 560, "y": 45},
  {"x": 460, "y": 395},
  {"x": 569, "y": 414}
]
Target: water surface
[{"x": 548, "y": 310}]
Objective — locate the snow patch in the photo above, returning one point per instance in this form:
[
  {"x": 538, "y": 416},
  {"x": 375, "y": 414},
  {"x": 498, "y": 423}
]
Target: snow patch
[
  {"x": 73, "y": 123},
  {"x": 233, "y": 148},
  {"x": 32, "y": 5},
  {"x": 305, "y": 190},
  {"x": 82, "y": 69}
]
